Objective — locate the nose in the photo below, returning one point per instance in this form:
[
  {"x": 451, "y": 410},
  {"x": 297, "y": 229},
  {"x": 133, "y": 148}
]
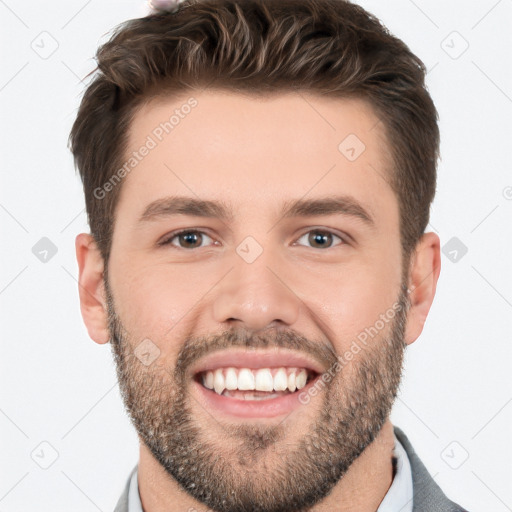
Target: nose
[{"x": 257, "y": 295}]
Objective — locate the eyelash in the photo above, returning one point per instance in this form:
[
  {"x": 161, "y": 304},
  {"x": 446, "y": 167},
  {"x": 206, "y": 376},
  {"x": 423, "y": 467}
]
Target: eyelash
[{"x": 172, "y": 236}]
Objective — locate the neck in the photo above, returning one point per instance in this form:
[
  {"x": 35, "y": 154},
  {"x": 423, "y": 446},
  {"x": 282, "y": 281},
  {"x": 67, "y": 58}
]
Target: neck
[{"x": 361, "y": 489}]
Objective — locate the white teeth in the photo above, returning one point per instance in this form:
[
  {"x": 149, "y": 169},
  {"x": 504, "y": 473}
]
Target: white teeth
[
  {"x": 245, "y": 379},
  {"x": 208, "y": 380},
  {"x": 231, "y": 379},
  {"x": 218, "y": 381},
  {"x": 291, "y": 382},
  {"x": 301, "y": 378},
  {"x": 264, "y": 380},
  {"x": 280, "y": 380}
]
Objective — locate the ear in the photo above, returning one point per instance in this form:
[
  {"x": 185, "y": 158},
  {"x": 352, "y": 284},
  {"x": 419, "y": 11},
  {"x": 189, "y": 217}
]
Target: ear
[
  {"x": 424, "y": 270},
  {"x": 91, "y": 288}
]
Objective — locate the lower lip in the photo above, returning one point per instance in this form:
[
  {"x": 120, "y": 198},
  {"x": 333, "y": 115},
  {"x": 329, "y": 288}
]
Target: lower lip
[{"x": 268, "y": 408}]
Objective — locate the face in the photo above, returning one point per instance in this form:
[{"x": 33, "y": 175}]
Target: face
[{"x": 290, "y": 275}]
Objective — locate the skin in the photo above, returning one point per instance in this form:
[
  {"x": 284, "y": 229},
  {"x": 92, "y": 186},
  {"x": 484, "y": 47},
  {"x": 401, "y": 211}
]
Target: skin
[{"x": 255, "y": 154}]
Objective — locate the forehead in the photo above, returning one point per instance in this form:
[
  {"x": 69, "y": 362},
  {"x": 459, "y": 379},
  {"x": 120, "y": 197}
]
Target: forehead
[{"x": 245, "y": 149}]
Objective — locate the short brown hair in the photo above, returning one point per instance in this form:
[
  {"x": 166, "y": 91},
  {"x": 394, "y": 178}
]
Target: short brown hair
[{"x": 329, "y": 47}]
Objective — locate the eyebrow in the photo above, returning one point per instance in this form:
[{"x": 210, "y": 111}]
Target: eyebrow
[{"x": 183, "y": 205}]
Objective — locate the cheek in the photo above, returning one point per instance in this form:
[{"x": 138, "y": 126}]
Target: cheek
[
  {"x": 352, "y": 300},
  {"x": 157, "y": 301}
]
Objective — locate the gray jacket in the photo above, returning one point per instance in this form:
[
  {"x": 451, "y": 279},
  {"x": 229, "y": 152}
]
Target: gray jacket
[{"x": 427, "y": 495}]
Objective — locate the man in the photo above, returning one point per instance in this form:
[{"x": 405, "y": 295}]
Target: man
[{"x": 258, "y": 177}]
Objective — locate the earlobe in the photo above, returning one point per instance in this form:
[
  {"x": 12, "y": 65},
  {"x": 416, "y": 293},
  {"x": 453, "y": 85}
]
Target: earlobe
[
  {"x": 91, "y": 288},
  {"x": 424, "y": 271}
]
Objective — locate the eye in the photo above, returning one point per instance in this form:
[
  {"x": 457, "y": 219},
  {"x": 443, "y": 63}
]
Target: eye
[
  {"x": 321, "y": 239},
  {"x": 186, "y": 239},
  {"x": 193, "y": 238}
]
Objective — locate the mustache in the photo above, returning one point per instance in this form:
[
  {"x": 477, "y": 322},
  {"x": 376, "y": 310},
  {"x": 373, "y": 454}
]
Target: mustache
[
  {"x": 197, "y": 347},
  {"x": 194, "y": 348}
]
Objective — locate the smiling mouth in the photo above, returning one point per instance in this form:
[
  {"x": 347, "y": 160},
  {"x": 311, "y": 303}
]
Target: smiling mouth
[{"x": 255, "y": 383}]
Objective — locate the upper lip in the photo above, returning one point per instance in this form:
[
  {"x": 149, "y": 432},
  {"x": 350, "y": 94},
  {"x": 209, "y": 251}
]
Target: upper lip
[{"x": 255, "y": 359}]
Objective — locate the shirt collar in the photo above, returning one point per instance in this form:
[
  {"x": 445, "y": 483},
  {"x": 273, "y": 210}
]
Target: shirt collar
[
  {"x": 134, "y": 503},
  {"x": 399, "y": 495}
]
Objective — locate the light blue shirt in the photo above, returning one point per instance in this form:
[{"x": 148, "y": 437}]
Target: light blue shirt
[
  {"x": 397, "y": 499},
  {"x": 399, "y": 495}
]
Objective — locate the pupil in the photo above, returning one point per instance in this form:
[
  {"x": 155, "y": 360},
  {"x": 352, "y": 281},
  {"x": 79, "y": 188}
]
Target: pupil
[
  {"x": 189, "y": 237},
  {"x": 320, "y": 238}
]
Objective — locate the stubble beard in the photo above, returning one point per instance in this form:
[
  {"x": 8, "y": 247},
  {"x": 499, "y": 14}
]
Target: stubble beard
[{"x": 253, "y": 468}]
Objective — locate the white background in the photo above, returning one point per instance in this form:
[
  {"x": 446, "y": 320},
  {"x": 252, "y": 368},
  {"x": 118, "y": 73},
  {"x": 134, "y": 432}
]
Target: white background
[{"x": 59, "y": 388}]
